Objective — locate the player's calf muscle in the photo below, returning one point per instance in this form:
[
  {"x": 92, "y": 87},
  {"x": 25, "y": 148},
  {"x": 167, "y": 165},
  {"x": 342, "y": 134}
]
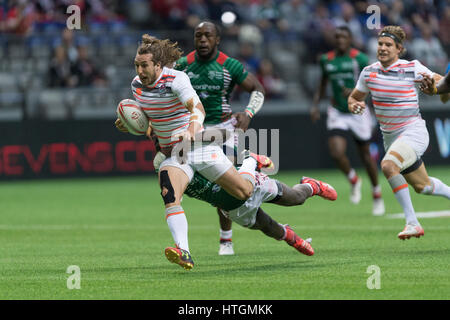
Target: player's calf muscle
[
  {"x": 294, "y": 196},
  {"x": 267, "y": 225},
  {"x": 172, "y": 187}
]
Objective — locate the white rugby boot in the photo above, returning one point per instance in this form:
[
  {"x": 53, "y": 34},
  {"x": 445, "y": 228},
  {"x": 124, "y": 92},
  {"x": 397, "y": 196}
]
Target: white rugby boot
[
  {"x": 411, "y": 231},
  {"x": 226, "y": 248},
  {"x": 378, "y": 208}
]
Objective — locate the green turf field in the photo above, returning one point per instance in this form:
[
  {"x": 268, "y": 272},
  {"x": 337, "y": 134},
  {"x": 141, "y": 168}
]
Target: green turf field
[{"x": 114, "y": 230}]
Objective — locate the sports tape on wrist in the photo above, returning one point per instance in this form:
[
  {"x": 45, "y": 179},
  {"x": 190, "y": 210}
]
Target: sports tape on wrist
[{"x": 255, "y": 103}]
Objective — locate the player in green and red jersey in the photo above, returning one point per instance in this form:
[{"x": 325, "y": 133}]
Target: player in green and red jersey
[
  {"x": 248, "y": 212},
  {"x": 341, "y": 67},
  {"x": 214, "y": 75}
]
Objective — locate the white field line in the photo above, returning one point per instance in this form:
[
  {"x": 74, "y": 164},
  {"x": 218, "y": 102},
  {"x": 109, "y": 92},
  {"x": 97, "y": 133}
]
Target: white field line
[
  {"x": 429, "y": 214},
  {"x": 346, "y": 227}
]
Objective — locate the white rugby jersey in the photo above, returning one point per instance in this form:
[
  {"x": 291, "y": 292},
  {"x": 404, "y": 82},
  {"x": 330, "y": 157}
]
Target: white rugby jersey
[
  {"x": 394, "y": 94},
  {"x": 164, "y": 103}
]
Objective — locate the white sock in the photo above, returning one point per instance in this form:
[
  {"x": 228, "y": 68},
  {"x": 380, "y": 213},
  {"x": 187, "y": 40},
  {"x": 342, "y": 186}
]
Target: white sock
[
  {"x": 401, "y": 192},
  {"x": 226, "y": 235},
  {"x": 352, "y": 176},
  {"x": 247, "y": 170},
  {"x": 404, "y": 198},
  {"x": 176, "y": 219},
  {"x": 376, "y": 192},
  {"x": 437, "y": 188}
]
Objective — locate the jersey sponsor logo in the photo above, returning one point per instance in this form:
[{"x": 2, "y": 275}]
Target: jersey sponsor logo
[
  {"x": 206, "y": 87},
  {"x": 138, "y": 91},
  {"x": 162, "y": 90},
  {"x": 215, "y": 188},
  {"x": 331, "y": 67},
  {"x": 215, "y": 74},
  {"x": 192, "y": 75},
  {"x": 343, "y": 67},
  {"x": 373, "y": 75}
]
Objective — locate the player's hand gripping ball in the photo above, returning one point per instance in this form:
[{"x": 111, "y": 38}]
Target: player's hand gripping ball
[{"x": 132, "y": 117}]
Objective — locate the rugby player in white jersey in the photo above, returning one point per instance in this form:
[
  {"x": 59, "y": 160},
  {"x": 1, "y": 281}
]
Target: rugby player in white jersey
[
  {"x": 391, "y": 82},
  {"x": 176, "y": 115}
]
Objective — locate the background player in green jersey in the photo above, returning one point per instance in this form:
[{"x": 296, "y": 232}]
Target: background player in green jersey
[
  {"x": 341, "y": 67},
  {"x": 214, "y": 75}
]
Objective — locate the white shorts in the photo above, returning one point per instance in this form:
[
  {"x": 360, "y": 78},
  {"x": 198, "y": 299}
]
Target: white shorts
[
  {"x": 360, "y": 125},
  {"x": 414, "y": 135},
  {"x": 233, "y": 139},
  {"x": 208, "y": 159},
  {"x": 266, "y": 189}
]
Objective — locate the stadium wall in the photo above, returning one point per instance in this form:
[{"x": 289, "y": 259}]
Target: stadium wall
[{"x": 92, "y": 148}]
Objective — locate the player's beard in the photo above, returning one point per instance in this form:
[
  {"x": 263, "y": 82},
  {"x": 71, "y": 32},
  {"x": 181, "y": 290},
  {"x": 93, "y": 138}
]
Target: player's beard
[
  {"x": 149, "y": 78},
  {"x": 206, "y": 56}
]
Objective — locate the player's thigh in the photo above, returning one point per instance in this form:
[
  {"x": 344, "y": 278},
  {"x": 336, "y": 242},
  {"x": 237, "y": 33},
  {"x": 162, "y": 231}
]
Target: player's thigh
[
  {"x": 415, "y": 136},
  {"x": 245, "y": 215},
  {"x": 363, "y": 150},
  {"x": 173, "y": 182},
  {"x": 405, "y": 148},
  {"x": 232, "y": 182},
  {"x": 210, "y": 161},
  {"x": 337, "y": 143}
]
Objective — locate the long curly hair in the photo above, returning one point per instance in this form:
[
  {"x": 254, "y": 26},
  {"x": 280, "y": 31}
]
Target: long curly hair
[{"x": 164, "y": 52}]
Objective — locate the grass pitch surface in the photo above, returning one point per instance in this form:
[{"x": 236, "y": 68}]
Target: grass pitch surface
[{"x": 114, "y": 230}]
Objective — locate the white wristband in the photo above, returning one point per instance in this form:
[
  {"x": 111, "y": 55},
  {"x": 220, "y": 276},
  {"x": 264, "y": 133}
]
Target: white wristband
[{"x": 255, "y": 103}]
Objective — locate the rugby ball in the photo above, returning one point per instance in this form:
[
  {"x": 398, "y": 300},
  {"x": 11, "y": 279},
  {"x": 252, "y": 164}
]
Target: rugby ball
[{"x": 132, "y": 116}]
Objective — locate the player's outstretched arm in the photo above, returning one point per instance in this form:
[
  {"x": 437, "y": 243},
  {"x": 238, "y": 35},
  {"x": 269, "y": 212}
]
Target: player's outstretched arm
[
  {"x": 356, "y": 102},
  {"x": 434, "y": 85},
  {"x": 257, "y": 92}
]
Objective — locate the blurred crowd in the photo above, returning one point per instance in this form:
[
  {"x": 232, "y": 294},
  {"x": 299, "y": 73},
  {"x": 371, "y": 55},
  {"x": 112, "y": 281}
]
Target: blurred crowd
[
  {"x": 255, "y": 24},
  {"x": 71, "y": 65}
]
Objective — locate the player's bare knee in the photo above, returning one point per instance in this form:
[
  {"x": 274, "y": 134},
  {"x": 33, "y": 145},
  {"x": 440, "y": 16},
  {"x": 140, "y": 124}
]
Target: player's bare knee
[
  {"x": 244, "y": 194},
  {"x": 167, "y": 191},
  {"x": 389, "y": 168}
]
